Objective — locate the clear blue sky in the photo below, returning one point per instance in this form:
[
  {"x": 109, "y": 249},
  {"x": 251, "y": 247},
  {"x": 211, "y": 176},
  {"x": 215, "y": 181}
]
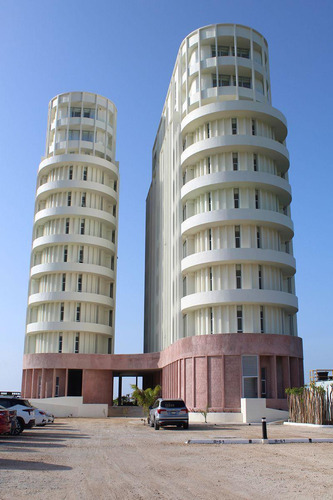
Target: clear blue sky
[{"x": 126, "y": 51}]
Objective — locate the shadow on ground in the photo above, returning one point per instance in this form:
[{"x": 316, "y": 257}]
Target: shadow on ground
[{"x": 25, "y": 465}]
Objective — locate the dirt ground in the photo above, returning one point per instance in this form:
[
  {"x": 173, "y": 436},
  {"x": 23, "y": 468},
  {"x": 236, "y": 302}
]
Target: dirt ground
[{"x": 121, "y": 458}]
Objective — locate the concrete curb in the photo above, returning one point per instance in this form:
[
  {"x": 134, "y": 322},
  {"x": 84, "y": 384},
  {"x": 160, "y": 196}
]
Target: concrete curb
[
  {"x": 318, "y": 426},
  {"x": 259, "y": 441}
]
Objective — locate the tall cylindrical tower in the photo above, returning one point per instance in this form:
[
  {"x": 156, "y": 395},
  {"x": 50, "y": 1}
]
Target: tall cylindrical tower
[{"x": 71, "y": 303}]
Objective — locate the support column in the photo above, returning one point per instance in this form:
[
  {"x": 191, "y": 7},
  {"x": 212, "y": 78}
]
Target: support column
[
  {"x": 120, "y": 389},
  {"x": 274, "y": 378},
  {"x": 53, "y": 382},
  {"x": 42, "y": 389},
  {"x": 32, "y": 383}
]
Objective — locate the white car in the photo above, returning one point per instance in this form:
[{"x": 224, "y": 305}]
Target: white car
[
  {"x": 25, "y": 412},
  {"x": 43, "y": 417}
]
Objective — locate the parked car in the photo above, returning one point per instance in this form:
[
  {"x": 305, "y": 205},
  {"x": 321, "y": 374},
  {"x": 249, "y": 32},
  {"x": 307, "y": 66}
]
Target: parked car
[
  {"x": 49, "y": 417},
  {"x": 40, "y": 417},
  {"x": 5, "y": 421},
  {"x": 25, "y": 412},
  {"x": 168, "y": 412}
]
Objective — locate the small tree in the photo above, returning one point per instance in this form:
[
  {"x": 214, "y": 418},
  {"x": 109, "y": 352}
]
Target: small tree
[{"x": 145, "y": 397}]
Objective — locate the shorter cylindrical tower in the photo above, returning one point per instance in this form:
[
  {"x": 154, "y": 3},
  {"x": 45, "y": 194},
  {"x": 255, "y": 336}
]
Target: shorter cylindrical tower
[{"x": 71, "y": 303}]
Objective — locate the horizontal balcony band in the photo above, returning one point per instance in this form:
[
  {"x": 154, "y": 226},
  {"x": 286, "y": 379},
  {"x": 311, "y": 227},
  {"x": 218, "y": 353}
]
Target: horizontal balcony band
[
  {"x": 40, "y": 270},
  {"x": 91, "y": 298},
  {"x": 85, "y": 212},
  {"x": 275, "y": 298},
  {"x": 68, "y": 326},
  {"x": 71, "y": 185},
  {"x": 239, "y": 178},
  {"x": 282, "y": 260},
  {"x": 241, "y": 143},
  {"x": 87, "y": 123},
  {"x": 235, "y": 109},
  {"x": 48, "y": 164},
  {"x": 79, "y": 239},
  {"x": 238, "y": 216}
]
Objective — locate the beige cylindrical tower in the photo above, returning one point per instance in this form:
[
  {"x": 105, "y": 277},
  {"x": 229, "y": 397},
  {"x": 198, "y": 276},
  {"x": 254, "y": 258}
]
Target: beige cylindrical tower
[{"x": 72, "y": 287}]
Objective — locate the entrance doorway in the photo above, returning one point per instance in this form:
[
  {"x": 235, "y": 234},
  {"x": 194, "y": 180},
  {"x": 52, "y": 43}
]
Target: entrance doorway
[{"x": 74, "y": 387}]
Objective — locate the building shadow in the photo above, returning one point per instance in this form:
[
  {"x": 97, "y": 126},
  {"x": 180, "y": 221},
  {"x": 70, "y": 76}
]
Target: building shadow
[{"x": 8, "y": 464}]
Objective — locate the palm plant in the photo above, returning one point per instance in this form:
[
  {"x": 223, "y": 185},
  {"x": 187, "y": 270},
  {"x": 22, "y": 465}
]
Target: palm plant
[{"x": 145, "y": 397}]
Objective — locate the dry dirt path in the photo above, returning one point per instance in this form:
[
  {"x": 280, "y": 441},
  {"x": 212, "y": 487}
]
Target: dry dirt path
[{"x": 123, "y": 459}]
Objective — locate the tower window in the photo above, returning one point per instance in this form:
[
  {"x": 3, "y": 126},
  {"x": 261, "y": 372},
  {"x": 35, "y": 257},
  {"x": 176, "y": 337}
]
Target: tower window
[
  {"x": 234, "y": 126},
  {"x": 83, "y": 199},
  {"x": 255, "y": 162},
  {"x": 110, "y": 317},
  {"x": 208, "y": 165},
  {"x": 85, "y": 173},
  {"x": 60, "y": 344},
  {"x": 81, "y": 254},
  {"x": 109, "y": 345},
  {"x": 87, "y": 135},
  {"x": 114, "y": 211},
  {"x": 113, "y": 236},
  {"x": 88, "y": 113},
  {"x": 209, "y": 239},
  {"x": 245, "y": 82},
  {"x": 210, "y": 279},
  {"x": 254, "y": 127},
  {"x": 78, "y": 312},
  {"x": 69, "y": 199},
  {"x": 211, "y": 320},
  {"x": 111, "y": 290},
  {"x": 222, "y": 50},
  {"x": 258, "y": 237},
  {"x": 261, "y": 319},
  {"x": 79, "y": 283},
  {"x": 82, "y": 226},
  {"x": 236, "y": 198},
  {"x": 239, "y": 319},
  {"x": 257, "y": 199},
  {"x": 65, "y": 253},
  {"x": 67, "y": 226},
  {"x": 115, "y": 186},
  {"x": 209, "y": 201},
  {"x": 77, "y": 343},
  {"x": 70, "y": 173},
  {"x": 241, "y": 52},
  {"x": 62, "y": 311},
  {"x": 63, "y": 283},
  {"x": 184, "y": 287},
  {"x": 73, "y": 135},
  {"x": 112, "y": 263},
  {"x": 260, "y": 277},
  {"x": 75, "y": 112},
  {"x": 237, "y": 237},
  {"x": 238, "y": 276},
  {"x": 208, "y": 130},
  {"x": 235, "y": 161}
]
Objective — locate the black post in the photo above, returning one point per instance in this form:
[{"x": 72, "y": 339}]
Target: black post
[{"x": 264, "y": 428}]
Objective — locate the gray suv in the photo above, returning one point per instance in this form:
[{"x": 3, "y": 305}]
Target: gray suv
[{"x": 168, "y": 412}]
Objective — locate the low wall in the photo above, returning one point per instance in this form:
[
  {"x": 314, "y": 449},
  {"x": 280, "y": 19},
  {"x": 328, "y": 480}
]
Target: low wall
[{"x": 70, "y": 407}]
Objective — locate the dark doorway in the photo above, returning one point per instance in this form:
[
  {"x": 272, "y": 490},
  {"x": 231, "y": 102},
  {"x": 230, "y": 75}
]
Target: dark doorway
[{"x": 74, "y": 383}]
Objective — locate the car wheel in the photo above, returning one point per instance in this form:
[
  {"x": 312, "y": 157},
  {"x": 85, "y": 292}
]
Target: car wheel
[
  {"x": 157, "y": 426},
  {"x": 19, "y": 426},
  {"x": 185, "y": 425}
]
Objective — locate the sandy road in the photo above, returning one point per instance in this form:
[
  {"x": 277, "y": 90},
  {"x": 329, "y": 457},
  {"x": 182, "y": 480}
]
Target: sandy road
[{"x": 123, "y": 459}]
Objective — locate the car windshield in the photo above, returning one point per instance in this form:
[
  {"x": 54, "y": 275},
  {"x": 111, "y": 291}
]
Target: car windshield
[{"x": 172, "y": 404}]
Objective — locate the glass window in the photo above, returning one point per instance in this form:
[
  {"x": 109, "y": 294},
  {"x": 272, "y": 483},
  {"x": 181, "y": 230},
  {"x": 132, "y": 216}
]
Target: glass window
[
  {"x": 82, "y": 226},
  {"x": 63, "y": 283},
  {"x": 239, "y": 319},
  {"x": 258, "y": 237},
  {"x": 85, "y": 173},
  {"x": 70, "y": 173},
  {"x": 81, "y": 254},
  {"x": 65, "y": 253},
  {"x": 77, "y": 343},
  {"x": 60, "y": 344},
  {"x": 211, "y": 320},
  {"x": 255, "y": 162},
  {"x": 87, "y": 135},
  {"x": 257, "y": 199},
  {"x": 73, "y": 135},
  {"x": 62, "y": 311},
  {"x": 75, "y": 112},
  {"x": 88, "y": 113},
  {"x": 69, "y": 199},
  {"x": 262, "y": 319},
  {"x": 208, "y": 165},
  {"x": 244, "y": 81},
  {"x": 78, "y": 312},
  {"x": 109, "y": 345},
  {"x": 236, "y": 198},
  {"x": 235, "y": 161},
  {"x": 67, "y": 226},
  {"x": 238, "y": 276},
  {"x": 79, "y": 283},
  {"x": 83, "y": 199},
  {"x": 234, "y": 126},
  {"x": 210, "y": 279},
  {"x": 110, "y": 317},
  {"x": 254, "y": 127},
  {"x": 237, "y": 237},
  {"x": 260, "y": 277},
  {"x": 210, "y": 239}
]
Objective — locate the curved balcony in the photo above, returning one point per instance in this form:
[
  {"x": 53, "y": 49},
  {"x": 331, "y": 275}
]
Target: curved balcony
[
  {"x": 69, "y": 159},
  {"x": 64, "y": 185},
  {"x": 79, "y": 239},
  {"x": 92, "y": 213},
  {"x": 199, "y": 260},
  {"x": 87, "y": 123},
  {"x": 68, "y": 326},
  {"x": 234, "y": 109},
  {"x": 229, "y": 143},
  {"x": 40, "y": 270},
  {"x": 91, "y": 298},
  {"x": 195, "y": 301},
  {"x": 237, "y": 216},
  {"x": 239, "y": 178}
]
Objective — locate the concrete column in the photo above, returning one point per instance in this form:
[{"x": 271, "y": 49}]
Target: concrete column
[
  {"x": 274, "y": 377},
  {"x": 53, "y": 382},
  {"x": 32, "y": 395},
  {"x": 120, "y": 389},
  {"x": 43, "y": 384}
]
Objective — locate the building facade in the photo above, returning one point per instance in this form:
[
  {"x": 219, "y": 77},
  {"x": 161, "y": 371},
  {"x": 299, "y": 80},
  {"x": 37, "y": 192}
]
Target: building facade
[
  {"x": 219, "y": 253},
  {"x": 72, "y": 287}
]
